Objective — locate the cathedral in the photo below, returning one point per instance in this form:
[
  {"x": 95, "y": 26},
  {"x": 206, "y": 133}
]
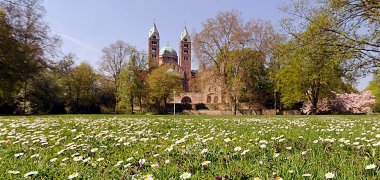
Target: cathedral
[
  {"x": 209, "y": 93},
  {"x": 167, "y": 55}
]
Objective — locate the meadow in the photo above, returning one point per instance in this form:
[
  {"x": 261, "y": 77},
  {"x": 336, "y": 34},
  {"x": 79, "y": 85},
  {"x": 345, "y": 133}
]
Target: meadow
[{"x": 189, "y": 147}]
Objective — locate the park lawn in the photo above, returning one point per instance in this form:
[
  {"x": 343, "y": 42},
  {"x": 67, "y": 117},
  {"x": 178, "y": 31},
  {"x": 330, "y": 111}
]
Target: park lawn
[{"x": 204, "y": 147}]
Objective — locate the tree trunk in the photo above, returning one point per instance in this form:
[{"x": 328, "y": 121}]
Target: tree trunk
[
  {"x": 131, "y": 103},
  {"x": 233, "y": 104},
  {"x": 235, "y": 109},
  {"x": 140, "y": 104},
  {"x": 315, "y": 97},
  {"x": 165, "y": 110},
  {"x": 314, "y": 106},
  {"x": 23, "y": 109},
  {"x": 116, "y": 97},
  {"x": 116, "y": 100},
  {"x": 275, "y": 101},
  {"x": 158, "y": 103}
]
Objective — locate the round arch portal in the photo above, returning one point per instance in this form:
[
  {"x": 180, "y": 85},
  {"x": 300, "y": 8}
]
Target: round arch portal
[{"x": 186, "y": 100}]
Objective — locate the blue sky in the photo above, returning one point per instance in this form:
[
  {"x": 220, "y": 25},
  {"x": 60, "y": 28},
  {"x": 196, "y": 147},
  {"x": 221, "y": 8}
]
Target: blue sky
[{"x": 87, "y": 26}]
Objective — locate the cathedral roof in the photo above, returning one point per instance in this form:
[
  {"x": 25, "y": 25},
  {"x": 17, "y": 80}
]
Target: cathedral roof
[
  {"x": 153, "y": 31},
  {"x": 185, "y": 34},
  {"x": 168, "y": 50}
]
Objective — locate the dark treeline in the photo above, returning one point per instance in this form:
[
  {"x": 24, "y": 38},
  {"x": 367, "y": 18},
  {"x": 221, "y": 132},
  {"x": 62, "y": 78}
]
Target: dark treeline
[{"x": 322, "y": 48}]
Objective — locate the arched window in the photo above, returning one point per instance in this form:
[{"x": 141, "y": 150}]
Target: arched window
[
  {"x": 208, "y": 99},
  {"x": 216, "y": 99},
  {"x": 186, "y": 100}
]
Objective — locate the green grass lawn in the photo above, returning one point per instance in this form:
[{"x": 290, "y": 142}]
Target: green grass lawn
[{"x": 203, "y": 147}]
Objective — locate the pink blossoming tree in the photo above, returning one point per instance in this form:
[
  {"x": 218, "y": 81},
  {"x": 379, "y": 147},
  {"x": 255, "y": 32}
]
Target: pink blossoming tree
[{"x": 344, "y": 103}]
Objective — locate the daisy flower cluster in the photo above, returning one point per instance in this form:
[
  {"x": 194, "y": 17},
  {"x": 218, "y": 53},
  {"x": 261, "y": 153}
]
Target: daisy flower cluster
[{"x": 156, "y": 147}]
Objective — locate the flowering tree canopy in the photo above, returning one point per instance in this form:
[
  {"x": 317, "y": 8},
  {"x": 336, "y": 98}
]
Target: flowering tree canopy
[{"x": 344, "y": 103}]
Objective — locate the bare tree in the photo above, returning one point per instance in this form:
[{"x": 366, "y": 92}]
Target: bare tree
[
  {"x": 360, "y": 20},
  {"x": 114, "y": 58},
  {"x": 222, "y": 35}
]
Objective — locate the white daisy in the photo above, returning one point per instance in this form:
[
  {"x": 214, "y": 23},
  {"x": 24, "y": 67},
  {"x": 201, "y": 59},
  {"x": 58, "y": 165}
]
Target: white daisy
[
  {"x": 185, "y": 175},
  {"x": 94, "y": 150},
  {"x": 31, "y": 173},
  {"x": 72, "y": 176},
  {"x": 204, "y": 151},
  {"x": 370, "y": 166},
  {"x": 13, "y": 172},
  {"x": 205, "y": 163},
  {"x": 329, "y": 175}
]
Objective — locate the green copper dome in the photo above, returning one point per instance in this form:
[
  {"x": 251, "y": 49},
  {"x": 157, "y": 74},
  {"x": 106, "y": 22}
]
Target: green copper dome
[{"x": 168, "y": 50}]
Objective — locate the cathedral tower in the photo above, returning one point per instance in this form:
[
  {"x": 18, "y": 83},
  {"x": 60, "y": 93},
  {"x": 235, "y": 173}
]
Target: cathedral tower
[
  {"x": 185, "y": 56},
  {"x": 154, "y": 47}
]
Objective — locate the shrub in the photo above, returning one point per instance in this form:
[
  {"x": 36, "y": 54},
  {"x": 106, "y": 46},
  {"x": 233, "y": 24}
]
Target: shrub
[{"x": 200, "y": 106}]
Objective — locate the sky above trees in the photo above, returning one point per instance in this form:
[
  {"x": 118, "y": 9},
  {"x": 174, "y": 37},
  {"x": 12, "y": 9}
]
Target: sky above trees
[{"x": 87, "y": 26}]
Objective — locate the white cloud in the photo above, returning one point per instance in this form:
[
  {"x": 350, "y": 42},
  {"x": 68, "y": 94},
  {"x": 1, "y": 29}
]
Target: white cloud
[{"x": 81, "y": 44}]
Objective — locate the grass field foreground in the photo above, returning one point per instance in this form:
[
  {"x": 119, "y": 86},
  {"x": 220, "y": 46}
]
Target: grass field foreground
[{"x": 190, "y": 147}]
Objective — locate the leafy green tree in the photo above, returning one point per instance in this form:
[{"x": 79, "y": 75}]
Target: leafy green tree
[
  {"x": 312, "y": 70},
  {"x": 45, "y": 95},
  {"x": 162, "y": 82},
  {"x": 355, "y": 22},
  {"x": 255, "y": 88},
  {"x": 106, "y": 95},
  {"x": 83, "y": 82},
  {"x": 374, "y": 87},
  {"x": 274, "y": 65},
  {"x": 132, "y": 86},
  {"x": 15, "y": 67},
  {"x": 25, "y": 47}
]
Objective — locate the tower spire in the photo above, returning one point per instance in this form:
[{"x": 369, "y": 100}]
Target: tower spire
[
  {"x": 185, "y": 57},
  {"x": 153, "y": 46},
  {"x": 153, "y": 31},
  {"x": 185, "y": 34}
]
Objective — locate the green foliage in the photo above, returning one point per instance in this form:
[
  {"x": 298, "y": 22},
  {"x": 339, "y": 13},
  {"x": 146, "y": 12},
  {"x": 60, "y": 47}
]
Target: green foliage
[
  {"x": 16, "y": 64},
  {"x": 374, "y": 87},
  {"x": 25, "y": 45},
  {"x": 131, "y": 83},
  {"x": 162, "y": 82},
  {"x": 45, "y": 95},
  {"x": 83, "y": 89},
  {"x": 255, "y": 87},
  {"x": 311, "y": 68},
  {"x": 200, "y": 106},
  {"x": 106, "y": 95}
]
